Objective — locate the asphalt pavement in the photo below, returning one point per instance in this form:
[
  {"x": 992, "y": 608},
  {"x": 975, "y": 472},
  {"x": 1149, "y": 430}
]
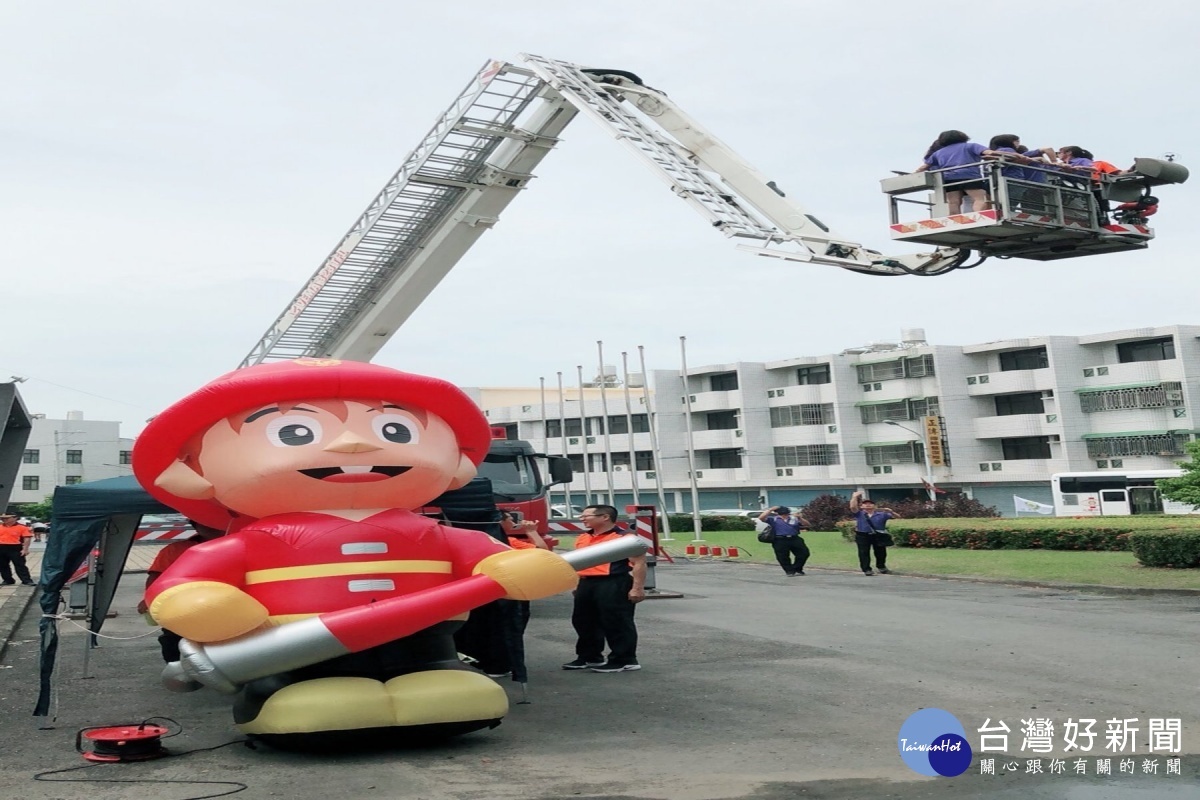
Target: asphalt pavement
[{"x": 755, "y": 686}]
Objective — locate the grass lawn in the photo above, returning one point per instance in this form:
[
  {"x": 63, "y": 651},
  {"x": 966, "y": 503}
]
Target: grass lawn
[{"x": 829, "y": 549}]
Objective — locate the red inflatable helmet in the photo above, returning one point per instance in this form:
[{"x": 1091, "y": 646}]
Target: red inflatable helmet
[{"x": 161, "y": 443}]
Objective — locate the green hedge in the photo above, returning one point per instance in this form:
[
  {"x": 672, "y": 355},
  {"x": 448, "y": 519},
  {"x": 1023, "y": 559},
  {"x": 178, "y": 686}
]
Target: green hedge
[
  {"x": 1049, "y": 533},
  {"x": 1170, "y": 548},
  {"x": 683, "y": 522}
]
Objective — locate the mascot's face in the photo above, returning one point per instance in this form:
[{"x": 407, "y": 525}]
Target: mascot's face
[{"x": 330, "y": 454}]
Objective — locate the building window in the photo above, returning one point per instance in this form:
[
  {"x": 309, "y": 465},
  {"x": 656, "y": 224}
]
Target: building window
[
  {"x": 1165, "y": 395},
  {"x": 808, "y": 455},
  {"x": 1024, "y": 403},
  {"x": 576, "y": 460},
  {"x": 31, "y": 457},
  {"x": 620, "y": 460},
  {"x": 1031, "y": 358},
  {"x": 644, "y": 459},
  {"x": 71, "y": 480},
  {"x": 618, "y": 424},
  {"x": 125, "y": 457},
  {"x": 916, "y": 367},
  {"x": 884, "y": 411},
  {"x": 908, "y": 453},
  {"x": 1166, "y": 444},
  {"x": 1026, "y": 447},
  {"x": 599, "y": 462},
  {"x": 810, "y": 376},
  {"x": 553, "y": 428},
  {"x": 575, "y": 427},
  {"x": 723, "y": 382},
  {"x": 1147, "y": 350},
  {"x": 74, "y": 456},
  {"x": 722, "y": 420},
  {"x": 730, "y": 458},
  {"x": 924, "y": 407},
  {"x": 510, "y": 431},
  {"x": 806, "y": 414},
  {"x": 30, "y": 482},
  {"x": 900, "y": 409}
]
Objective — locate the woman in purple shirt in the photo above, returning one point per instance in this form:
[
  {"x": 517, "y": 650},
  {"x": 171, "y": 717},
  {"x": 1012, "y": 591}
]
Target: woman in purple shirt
[{"x": 958, "y": 157}]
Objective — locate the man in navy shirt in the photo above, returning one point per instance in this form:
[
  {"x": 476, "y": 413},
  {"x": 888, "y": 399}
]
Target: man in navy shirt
[
  {"x": 870, "y": 532},
  {"x": 790, "y": 550}
]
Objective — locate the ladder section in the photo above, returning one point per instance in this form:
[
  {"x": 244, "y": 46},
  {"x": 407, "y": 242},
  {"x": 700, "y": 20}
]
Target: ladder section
[
  {"x": 670, "y": 160},
  {"x": 423, "y": 198}
]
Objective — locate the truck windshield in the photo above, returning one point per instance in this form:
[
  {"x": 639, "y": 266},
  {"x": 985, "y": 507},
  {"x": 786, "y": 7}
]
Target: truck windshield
[{"x": 511, "y": 475}]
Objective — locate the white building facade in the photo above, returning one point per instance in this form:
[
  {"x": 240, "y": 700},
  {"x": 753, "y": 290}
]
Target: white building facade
[
  {"x": 999, "y": 418},
  {"x": 62, "y": 452}
]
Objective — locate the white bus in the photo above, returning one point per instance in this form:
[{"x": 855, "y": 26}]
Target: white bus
[{"x": 1113, "y": 493}]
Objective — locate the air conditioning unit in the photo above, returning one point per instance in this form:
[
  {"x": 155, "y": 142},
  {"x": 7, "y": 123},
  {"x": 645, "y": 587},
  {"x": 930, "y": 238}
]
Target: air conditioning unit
[
  {"x": 770, "y": 392},
  {"x": 738, "y": 434}
]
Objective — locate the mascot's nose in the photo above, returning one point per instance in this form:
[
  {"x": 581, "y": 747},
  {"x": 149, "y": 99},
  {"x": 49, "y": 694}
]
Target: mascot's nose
[{"x": 349, "y": 443}]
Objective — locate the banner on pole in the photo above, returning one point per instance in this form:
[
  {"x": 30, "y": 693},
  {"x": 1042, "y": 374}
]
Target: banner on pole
[{"x": 1031, "y": 506}]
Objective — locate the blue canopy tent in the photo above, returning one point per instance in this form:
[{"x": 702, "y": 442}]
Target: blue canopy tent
[{"x": 99, "y": 515}]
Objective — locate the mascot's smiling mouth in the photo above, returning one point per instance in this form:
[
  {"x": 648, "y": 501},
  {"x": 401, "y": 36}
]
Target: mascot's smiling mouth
[{"x": 354, "y": 474}]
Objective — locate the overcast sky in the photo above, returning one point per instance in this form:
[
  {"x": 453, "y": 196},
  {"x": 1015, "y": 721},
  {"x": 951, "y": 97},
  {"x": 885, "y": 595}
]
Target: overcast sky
[{"x": 173, "y": 173}]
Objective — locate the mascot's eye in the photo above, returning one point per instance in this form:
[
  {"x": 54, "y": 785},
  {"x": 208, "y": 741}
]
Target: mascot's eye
[
  {"x": 396, "y": 428},
  {"x": 293, "y": 430}
]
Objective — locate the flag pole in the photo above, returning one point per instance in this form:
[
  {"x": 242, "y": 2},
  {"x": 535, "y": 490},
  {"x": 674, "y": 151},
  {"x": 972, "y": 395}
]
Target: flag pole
[
  {"x": 656, "y": 463},
  {"x": 608, "y": 470},
  {"x": 691, "y": 445},
  {"x": 583, "y": 431},
  {"x": 562, "y": 435},
  {"x": 633, "y": 479}
]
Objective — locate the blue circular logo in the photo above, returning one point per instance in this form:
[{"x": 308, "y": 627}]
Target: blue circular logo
[{"x": 933, "y": 742}]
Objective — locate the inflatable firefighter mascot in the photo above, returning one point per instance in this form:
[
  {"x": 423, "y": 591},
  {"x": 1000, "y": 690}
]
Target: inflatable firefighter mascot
[{"x": 314, "y": 466}]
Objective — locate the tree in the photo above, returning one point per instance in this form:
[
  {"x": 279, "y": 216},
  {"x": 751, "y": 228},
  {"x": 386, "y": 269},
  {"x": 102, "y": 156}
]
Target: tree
[
  {"x": 40, "y": 511},
  {"x": 950, "y": 505},
  {"x": 826, "y": 511},
  {"x": 1185, "y": 488}
]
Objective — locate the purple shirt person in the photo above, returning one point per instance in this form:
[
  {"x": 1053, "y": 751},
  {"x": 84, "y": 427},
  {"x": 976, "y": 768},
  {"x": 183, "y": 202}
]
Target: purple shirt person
[{"x": 953, "y": 151}]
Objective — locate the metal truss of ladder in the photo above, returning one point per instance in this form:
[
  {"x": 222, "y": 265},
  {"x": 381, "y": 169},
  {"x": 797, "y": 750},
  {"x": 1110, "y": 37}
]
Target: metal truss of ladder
[
  {"x": 415, "y": 203},
  {"x": 670, "y": 160}
]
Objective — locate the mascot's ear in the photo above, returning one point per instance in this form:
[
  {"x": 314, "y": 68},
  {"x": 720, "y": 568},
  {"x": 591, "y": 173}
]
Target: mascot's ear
[
  {"x": 182, "y": 481},
  {"x": 466, "y": 471}
]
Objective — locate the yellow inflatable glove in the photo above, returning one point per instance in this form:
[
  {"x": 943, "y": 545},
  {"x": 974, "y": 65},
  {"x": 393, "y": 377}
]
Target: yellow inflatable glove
[
  {"x": 529, "y": 574},
  {"x": 207, "y": 611}
]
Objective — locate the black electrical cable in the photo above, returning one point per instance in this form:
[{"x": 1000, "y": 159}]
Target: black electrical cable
[{"x": 237, "y": 785}]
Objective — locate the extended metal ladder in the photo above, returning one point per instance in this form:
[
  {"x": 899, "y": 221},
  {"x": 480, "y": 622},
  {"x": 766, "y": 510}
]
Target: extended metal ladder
[{"x": 422, "y": 221}]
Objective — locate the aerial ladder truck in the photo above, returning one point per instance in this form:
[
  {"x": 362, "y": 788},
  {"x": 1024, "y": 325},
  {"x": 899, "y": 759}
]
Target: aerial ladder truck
[{"x": 483, "y": 150}]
